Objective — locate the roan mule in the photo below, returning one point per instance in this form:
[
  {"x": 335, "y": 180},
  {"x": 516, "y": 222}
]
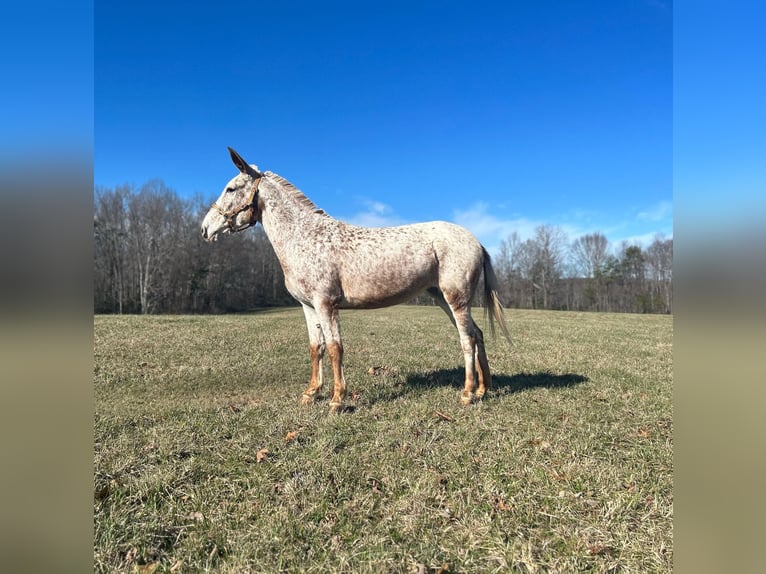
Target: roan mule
[{"x": 330, "y": 265}]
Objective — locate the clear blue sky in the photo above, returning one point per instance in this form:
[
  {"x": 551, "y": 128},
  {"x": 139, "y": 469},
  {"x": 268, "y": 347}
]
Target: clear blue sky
[{"x": 497, "y": 115}]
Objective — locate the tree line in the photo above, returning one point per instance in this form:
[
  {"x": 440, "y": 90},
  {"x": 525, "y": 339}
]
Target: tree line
[
  {"x": 548, "y": 271},
  {"x": 149, "y": 257}
]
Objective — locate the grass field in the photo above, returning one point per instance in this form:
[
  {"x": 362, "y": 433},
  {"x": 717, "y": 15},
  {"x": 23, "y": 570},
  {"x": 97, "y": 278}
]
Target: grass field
[{"x": 206, "y": 461}]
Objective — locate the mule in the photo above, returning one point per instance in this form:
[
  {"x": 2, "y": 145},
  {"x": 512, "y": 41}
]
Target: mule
[{"x": 331, "y": 265}]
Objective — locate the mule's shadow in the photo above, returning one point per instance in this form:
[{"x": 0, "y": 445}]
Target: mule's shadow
[{"x": 501, "y": 384}]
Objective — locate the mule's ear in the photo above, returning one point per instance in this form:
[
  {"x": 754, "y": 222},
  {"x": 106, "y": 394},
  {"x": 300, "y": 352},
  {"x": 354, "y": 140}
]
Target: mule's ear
[{"x": 242, "y": 165}]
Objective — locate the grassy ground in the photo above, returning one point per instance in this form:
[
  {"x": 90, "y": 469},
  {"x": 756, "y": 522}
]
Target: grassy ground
[{"x": 205, "y": 461}]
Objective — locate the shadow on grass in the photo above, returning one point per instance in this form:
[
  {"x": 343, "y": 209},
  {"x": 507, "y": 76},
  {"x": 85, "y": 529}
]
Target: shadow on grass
[
  {"x": 501, "y": 384},
  {"x": 385, "y": 387}
]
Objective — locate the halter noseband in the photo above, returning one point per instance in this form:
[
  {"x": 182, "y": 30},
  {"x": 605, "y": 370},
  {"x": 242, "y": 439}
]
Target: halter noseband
[{"x": 249, "y": 204}]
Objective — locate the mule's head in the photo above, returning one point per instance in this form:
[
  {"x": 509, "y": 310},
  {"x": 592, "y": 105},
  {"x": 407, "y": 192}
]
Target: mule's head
[{"x": 237, "y": 208}]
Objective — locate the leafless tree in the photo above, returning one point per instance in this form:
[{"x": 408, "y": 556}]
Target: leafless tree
[
  {"x": 548, "y": 249},
  {"x": 156, "y": 217},
  {"x": 110, "y": 245},
  {"x": 589, "y": 254},
  {"x": 507, "y": 268},
  {"x": 659, "y": 258}
]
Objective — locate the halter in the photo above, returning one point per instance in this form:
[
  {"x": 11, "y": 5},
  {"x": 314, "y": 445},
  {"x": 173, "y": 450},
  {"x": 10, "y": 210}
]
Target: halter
[{"x": 249, "y": 204}]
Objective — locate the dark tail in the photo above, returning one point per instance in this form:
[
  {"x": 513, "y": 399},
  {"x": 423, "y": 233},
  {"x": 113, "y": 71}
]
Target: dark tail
[{"x": 492, "y": 305}]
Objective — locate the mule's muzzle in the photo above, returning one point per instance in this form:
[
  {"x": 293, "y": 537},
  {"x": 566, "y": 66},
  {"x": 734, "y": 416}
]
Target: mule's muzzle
[{"x": 206, "y": 235}]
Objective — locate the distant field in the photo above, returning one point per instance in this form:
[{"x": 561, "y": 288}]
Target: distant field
[{"x": 206, "y": 461}]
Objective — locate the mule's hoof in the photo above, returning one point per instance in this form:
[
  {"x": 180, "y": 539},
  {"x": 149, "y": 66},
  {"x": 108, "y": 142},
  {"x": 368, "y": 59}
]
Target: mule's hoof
[
  {"x": 307, "y": 399},
  {"x": 480, "y": 394},
  {"x": 336, "y": 408},
  {"x": 466, "y": 399}
]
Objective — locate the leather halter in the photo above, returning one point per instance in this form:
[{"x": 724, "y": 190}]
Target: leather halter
[{"x": 230, "y": 215}]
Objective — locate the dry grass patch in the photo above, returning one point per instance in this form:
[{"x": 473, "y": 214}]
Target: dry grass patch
[{"x": 205, "y": 461}]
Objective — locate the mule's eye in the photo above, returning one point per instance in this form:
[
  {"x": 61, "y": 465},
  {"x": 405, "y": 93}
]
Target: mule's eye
[{"x": 228, "y": 190}]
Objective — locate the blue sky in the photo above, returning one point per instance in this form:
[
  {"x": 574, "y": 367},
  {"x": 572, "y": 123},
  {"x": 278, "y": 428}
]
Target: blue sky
[
  {"x": 498, "y": 115},
  {"x": 720, "y": 118},
  {"x": 47, "y": 82}
]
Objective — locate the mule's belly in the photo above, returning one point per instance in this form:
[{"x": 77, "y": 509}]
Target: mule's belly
[
  {"x": 375, "y": 298},
  {"x": 387, "y": 279}
]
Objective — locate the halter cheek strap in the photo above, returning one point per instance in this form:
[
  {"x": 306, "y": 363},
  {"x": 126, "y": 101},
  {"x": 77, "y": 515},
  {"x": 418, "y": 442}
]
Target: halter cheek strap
[{"x": 230, "y": 215}]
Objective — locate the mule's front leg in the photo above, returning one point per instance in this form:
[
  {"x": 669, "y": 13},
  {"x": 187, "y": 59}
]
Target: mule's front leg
[
  {"x": 317, "y": 377},
  {"x": 335, "y": 350},
  {"x": 317, "y": 346},
  {"x": 329, "y": 318}
]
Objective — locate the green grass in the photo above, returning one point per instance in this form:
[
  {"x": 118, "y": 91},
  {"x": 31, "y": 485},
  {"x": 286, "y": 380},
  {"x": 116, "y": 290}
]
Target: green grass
[{"x": 566, "y": 466}]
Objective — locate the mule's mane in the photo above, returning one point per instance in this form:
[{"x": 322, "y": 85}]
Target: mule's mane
[{"x": 294, "y": 192}]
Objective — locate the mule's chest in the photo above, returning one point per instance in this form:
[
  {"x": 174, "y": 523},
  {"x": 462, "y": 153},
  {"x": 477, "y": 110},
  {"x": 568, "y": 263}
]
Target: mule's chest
[
  {"x": 298, "y": 290},
  {"x": 308, "y": 282}
]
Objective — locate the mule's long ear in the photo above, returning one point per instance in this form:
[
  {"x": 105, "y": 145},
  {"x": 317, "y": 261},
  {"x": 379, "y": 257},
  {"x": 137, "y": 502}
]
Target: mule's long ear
[{"x": 242, "y": 165}]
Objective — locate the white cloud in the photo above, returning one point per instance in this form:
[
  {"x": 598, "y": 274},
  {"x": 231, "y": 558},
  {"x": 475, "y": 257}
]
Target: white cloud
[
  {"x": 487, "y": 223},
  {"x": 663, "y": 210},
  {"x": 376, "y": 214},
  {"x": 490, "y": 229},
  {"x": 644, "y": 240}
]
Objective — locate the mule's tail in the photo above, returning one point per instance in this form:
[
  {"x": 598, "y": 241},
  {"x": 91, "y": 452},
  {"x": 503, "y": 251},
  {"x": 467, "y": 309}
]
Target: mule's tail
[{"x": 492, "y": 305}]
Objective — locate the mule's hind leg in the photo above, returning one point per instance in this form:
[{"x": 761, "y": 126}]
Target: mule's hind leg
[
  {"x": 317, "y": 347},
  {"x": 442, "y": 302},
  {"x": 481, "y": 364},
  {"x": 461, "y": 314}
]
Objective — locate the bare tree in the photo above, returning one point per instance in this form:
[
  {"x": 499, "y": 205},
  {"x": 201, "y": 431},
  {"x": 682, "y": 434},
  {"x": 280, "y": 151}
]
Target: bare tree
[
  {"x": 507, "y": 268},
  {"x": 659, "y": 259},
  {"x": 110, "y": 247},
  {"x": 156, "y": 217},
  {"x": 549, "y": 249},
  {"x": 526, "y": 257},
  {"x": 589, "y": 253}
]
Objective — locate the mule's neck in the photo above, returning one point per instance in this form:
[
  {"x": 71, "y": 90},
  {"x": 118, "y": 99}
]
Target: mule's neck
[{"x": 288, "y": 217}]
